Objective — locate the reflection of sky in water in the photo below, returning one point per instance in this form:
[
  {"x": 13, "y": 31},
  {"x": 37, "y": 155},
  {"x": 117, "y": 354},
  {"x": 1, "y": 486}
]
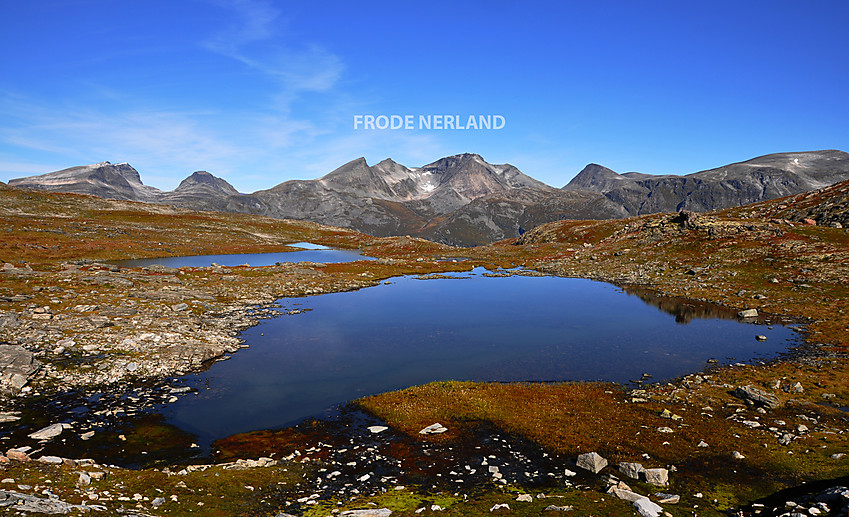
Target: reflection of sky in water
[
  {"x": 414, "y": 331},
  {"x": 311, "y": 253}
]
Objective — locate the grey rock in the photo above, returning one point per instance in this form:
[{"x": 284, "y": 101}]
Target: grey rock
[
  {"x": 49, "y": 432},
  {"x": 17, "y": 366},
  {"x": 663, "y": 498},
  {"x": 659, "y": 477},
  {"x": 632, "y": 470},
  {"x": 625, "y": 495},
  {"x": 9, "y": 416},
  {"x": 9, "y": 319},
  {"x": 54, "y": 460},
  {"x": 377, "y": 512},
  {"x": 757, "y": 396},
  {"x": 159, "y": 501},
  {"x": 647, "y": 508},
  {"x": 591, "y": 461},
  {"x": 748, "y": 313},
  {"x": 553, "y": 508},
  {"x": 30, "y": 503}
]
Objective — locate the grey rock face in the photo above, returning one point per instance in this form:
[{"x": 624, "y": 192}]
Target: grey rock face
[
  {"x": 758, "y": 179},
  {"x": 17, "y": 365}
]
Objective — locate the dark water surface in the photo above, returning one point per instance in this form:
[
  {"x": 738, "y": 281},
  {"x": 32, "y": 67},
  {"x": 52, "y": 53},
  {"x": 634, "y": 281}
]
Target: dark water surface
[
  {"x": 311, "y": 253},
  {"x": 414, "y": 331}
]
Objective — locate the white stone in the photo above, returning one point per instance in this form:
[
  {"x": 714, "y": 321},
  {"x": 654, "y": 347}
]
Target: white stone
[
  {"x": 49, "y": 432},
  {"x": 647, "y": 508},
  {"x": 434, "y": 429}
]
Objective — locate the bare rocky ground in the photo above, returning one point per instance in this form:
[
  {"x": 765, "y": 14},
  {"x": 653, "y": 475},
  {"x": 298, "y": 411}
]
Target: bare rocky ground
[{"x": 98, "y": 346}]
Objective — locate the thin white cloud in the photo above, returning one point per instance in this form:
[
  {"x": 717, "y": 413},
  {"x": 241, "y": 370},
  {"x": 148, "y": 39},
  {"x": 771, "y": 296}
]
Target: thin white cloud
[{"x": 254, "y": 40}]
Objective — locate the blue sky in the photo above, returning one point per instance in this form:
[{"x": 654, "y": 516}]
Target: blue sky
[{"x": 259, "y": 92}]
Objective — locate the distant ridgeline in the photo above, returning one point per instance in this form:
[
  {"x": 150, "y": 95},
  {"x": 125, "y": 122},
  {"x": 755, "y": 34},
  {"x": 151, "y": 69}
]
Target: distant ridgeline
[{"x": 462, "y": 199}]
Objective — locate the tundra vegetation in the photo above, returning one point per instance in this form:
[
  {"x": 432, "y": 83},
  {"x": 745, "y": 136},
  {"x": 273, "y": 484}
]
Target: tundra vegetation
[{"x": 726, "y": 436}]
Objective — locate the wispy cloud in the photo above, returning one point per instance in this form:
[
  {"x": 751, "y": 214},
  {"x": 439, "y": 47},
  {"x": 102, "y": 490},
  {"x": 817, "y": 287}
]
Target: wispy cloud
[
  {"x": 255, "y": 40},
  {"x": 167, "y": 143}
]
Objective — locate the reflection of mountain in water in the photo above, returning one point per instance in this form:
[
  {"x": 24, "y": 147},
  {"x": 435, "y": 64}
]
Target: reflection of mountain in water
[{"x": 684, "y": 310}]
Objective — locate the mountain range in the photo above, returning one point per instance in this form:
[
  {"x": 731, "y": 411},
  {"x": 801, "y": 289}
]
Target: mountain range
[{"x": 462, "y": 199}]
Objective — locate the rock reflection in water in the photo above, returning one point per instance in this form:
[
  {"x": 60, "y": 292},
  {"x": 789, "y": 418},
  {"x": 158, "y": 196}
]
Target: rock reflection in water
[{"x": 684, "y": 310}]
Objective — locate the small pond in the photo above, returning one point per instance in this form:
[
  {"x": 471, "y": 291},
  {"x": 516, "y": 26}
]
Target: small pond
[
  {"x": 412, "y": 331},
  {"x": 309, "y": 253}
]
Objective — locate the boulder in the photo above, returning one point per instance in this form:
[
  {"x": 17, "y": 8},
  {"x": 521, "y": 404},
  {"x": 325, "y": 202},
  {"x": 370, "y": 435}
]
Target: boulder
[
  {"x": 659, "y": 477},
  {"x": 667, "y": 498},
  {"x": 17, "y": 366},
  {"x": 625, "y": 495},
  {"x": 632, "y": 470},
  {"x": 748, "y": 313},
  {"x": 17, "y": 455},
  {"x": 591, "y": 461},
  {"x": 757, "y": 396},
  {"x": 49, "y": 432},
  {"x": 647, "y": 508}
]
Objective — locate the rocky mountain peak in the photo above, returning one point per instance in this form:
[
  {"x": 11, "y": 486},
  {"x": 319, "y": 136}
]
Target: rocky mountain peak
[
  {"x": 595, "y": 178},
  {"x": 203, "y": 179}
]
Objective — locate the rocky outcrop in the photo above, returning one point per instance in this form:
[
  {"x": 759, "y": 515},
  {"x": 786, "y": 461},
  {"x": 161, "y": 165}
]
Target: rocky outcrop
[
  {"x": 32, "y": 504},
  {"x": 17, "y": 365}
]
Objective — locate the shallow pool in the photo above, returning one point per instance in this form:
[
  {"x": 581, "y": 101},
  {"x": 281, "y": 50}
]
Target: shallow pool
[{"x": 472, "y": 327}]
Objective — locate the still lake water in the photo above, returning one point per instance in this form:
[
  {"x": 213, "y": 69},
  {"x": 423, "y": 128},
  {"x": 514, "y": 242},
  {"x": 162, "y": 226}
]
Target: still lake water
[
  {"x": 415, "y": 331},
  {"x": 311, "y": 253}
]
